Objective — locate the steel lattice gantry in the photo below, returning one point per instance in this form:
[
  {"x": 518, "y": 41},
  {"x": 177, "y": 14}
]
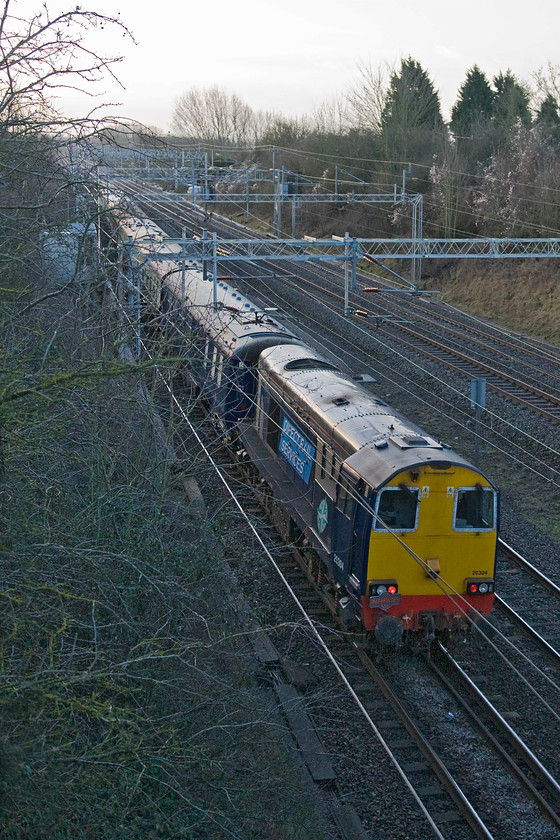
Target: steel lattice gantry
[
  {"x": 318, "y": 250},
  {"x": 483, "y": 248},
  {"x": 211, "y": 251}
]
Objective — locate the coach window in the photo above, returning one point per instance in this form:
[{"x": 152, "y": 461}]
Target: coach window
[
  {"x": 260, "y": 414},
  {"x": 273, "y": 428},
  {"x": 220, "y": 370},
  {"x": 397, "y": 509},
  {"x": 214, "y": 360},
  {"x": 474, "y": 509},
  {"x": 327, "y": 468}
]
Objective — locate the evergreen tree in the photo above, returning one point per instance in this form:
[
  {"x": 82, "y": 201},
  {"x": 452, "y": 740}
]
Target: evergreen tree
[
  {"x": 474, "y": 104},
  {"x": 511, "y": 101},
  {"x": 411, "y": 113},
  {"x": 411, "y": 98},
  {"x": 548, "y": 112}
]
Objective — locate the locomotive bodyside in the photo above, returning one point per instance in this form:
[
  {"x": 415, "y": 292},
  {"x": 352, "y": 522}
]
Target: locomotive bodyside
[{"x": 406, "y": 527}]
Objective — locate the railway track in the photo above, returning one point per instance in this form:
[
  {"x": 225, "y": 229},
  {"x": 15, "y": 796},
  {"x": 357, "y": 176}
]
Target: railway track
[
  {"x": 431, "y": 775},
  {"x": 528, "y": 567},
  {"x": 418, "y": 765},
  {"x": 533, "y": 598},
  {"x": 497, "y": 379},
  {"x": 540, "y": 361},
  {"x": 521, "y": 642},
  {"x": 434, "y": 790},
  {"x": 443, "y": 350},
  {"x": 428, "y": 775},
  {"x": 510, "y": 387},
  {"x": 453, "y": 815},
  {"x": 514, "y": 618},
  {"x": 533, "y": 777}
]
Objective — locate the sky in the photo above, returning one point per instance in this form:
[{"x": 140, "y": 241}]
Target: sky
[{"x": 293, "y": 55}]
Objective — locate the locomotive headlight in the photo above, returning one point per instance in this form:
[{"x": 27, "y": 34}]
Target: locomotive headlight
[
  {"x": 479, "y": 587},
  {"x": 383, "y": 587}
]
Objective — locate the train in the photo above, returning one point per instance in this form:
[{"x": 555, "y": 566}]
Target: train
[{"x": 401, "y": 529}]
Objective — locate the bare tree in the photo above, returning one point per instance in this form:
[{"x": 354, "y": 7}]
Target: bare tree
[
  {"x": 368, "y": 96},
  {"x": 119, "y": 714},
  {"x": 448, "y": 192},
  {"x": 45, "y": 54},
  {"x": 547, "y": 81},
  {"x": 516, "y": 195},
  {"x": 263, "y": 123},
  {"x": 41, "y": 55},
  {"x": 214, "y": 116},
  {"x": 331, "y": 117}
]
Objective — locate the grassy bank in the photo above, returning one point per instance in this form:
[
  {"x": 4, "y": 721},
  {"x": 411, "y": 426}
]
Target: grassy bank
[
  {"x": 129, "y": 703},
  {"x": 523, "y": 295}
]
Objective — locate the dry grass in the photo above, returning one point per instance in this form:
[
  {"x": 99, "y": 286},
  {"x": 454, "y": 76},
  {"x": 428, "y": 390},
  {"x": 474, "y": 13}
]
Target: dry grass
[{"x": 521, "y": 294}]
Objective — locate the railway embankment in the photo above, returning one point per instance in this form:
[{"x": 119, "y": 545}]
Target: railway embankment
[
  {"x": 520, "y": 294},
  {"x": 128, "y": 707}
]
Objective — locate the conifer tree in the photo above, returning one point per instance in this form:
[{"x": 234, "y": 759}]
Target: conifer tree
[
  {"x": 411, "y": 113},
  {"x": 511, "y": 101},
  {"x": 548, "y": 112},
  {"x": 474, "y": 104}
]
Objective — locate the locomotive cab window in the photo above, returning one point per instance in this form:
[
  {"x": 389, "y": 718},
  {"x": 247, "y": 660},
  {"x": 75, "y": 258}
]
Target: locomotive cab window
[
  {"x": 475, "y": 509},
  {"x": 397, "y": 508}
]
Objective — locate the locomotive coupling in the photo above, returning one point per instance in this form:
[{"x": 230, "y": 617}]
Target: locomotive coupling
[{"x": 389, "y": 631}]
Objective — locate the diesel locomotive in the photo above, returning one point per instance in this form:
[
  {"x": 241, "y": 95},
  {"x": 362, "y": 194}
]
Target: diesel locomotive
[{"x": 403, "y": 529}]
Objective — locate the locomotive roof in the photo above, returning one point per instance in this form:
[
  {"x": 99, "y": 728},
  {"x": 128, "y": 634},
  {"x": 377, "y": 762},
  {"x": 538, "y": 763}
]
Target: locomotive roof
[
  {"x": 379, "y": 442},
  {"x": 143, "y": 232}
]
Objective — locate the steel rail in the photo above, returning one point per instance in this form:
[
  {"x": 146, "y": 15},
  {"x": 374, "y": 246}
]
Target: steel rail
[
  {"x": 474, "y": 816},
  {"x": 535, "y": 637},
  {"x": 550, "y": 412},
  {"x": 528, "y": 567},
  {"x": 526, "y": 756},
  {"x": 424, "y": 746}
]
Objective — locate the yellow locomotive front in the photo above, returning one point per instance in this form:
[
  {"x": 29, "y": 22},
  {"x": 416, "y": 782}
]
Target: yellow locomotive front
[{"x": 432, "y": 551}]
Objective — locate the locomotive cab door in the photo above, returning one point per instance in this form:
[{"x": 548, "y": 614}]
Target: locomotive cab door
[{"x": 349, "y": 530}]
